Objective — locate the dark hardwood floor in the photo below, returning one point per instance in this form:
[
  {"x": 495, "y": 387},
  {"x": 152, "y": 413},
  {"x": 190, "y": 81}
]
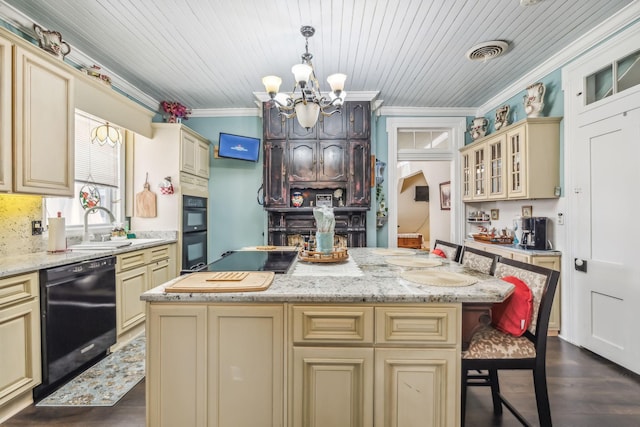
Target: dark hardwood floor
[{"x": 585, "y": 391}]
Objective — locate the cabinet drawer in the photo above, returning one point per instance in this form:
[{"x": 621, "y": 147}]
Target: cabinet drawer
[
  {"x": 130, "y": 260},
  {"x": 18, "y": 288},
  {"x": 158, "y": 253},
  {"x": 332, "y": 324},
  {"x": 417, "y": 325}
]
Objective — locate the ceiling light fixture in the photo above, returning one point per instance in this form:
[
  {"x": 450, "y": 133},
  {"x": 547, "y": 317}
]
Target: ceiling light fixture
[
  {"x": 308, "y": 103},
  {"x": 105, "y": 134}
]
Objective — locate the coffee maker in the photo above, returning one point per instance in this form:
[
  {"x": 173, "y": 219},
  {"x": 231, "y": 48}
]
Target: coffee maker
[{"x": 534, "y": 233}]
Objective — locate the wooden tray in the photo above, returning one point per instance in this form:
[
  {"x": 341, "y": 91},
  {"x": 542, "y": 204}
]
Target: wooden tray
[
  {"x": 231, "y": 281},
  {"x": 495, "y": 239},
  {"x": 337, "y": 255}
]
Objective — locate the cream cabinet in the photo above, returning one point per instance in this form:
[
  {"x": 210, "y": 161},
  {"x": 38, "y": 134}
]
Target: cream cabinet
[
  {"x": 20, "y": 337},
  {"x": 474, "y": 172},
  {"x": 195, "y": 155},
  {"x": 548, "y": 261},
  {"x": 43, "y": 120},
  {"x": 6, "y": 114},
  {"x": 299, "y": 365},
  {"x": 521, "y": 161},
  {"x": 216, "y": 365},
  {"x": 376, "y": 365},
  {"x": 136, "y": 273}
]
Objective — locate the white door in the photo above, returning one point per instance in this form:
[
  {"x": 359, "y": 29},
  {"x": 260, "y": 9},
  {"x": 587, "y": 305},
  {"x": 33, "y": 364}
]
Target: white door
[{"x": 606, "y": 171}]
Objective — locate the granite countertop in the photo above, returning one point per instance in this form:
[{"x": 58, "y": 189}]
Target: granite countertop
[
  {"x": 28, "y": 263},
  {"x": 365, "y": 278}
]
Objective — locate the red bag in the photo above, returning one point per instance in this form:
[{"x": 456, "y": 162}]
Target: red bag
[
  {"x": 439, "y": 253},
  {"x": 513, "y": 316}
]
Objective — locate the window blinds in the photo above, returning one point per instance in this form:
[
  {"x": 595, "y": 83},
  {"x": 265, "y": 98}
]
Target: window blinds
[{"x": 95, "y": 163}]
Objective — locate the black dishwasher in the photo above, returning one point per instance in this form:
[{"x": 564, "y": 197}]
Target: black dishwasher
[{"x": 78, "y": 318}]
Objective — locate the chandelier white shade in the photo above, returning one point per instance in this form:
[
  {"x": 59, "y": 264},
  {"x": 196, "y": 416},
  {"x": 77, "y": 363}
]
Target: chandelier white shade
[{"x": 306, "y": 101}]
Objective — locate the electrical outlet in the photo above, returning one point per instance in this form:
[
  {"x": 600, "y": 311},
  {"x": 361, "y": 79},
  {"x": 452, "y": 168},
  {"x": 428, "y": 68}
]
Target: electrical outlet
[
  {"x": 36, "y": 228},
  {"x": 560, "y": 218}
]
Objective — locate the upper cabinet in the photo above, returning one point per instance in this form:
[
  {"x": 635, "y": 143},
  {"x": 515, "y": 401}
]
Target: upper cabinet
[
  {"x": 194, "y": 157},
  {"x": 5, "y": 116},
  {"x": 311, "y": 161},
  {"x": 334, "y": 154},
  {"x": 176, "y": 151},
  {"x": 43, "y": 121},
  {"x": 359, "y": 119},
  {"x": 521, "y": 161}
]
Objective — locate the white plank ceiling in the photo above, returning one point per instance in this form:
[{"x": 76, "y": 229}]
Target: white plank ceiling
[{"x": 213, "y": 53}]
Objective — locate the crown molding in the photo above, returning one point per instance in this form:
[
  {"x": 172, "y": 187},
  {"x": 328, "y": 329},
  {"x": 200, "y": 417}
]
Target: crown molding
[
  {"x": 426, "y": 111},
  {"x": 626, "y": 16},
  {"x": 226, "y": 112},
  {"x": 370, "y": 96}
]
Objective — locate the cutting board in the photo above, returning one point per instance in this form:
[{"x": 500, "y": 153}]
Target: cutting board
[
  {"x": 146, "y": 203},
  {"x": 221, "y": 281}
]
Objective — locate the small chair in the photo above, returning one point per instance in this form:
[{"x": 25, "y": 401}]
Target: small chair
[
  {"x": 451, "y": 250},
  {"x": 491, "y": 350},
  {"x": 479, "y": 260}
]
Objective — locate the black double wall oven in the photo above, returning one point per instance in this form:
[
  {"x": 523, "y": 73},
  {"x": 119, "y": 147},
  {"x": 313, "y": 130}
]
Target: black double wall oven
[{"x": 194, "y": 232}]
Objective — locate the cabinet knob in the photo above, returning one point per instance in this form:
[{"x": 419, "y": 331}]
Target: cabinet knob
[{"x": 351, "y": 118}]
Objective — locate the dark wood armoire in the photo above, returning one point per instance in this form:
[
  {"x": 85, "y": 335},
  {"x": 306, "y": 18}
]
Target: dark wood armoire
[{"x": 329, "y": 163}]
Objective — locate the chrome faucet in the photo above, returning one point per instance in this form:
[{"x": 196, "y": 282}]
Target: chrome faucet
[{"x": 85, "y": 237}]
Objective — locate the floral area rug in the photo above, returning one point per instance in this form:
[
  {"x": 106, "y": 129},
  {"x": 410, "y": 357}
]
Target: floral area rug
[{"x": 106, "y": 382}]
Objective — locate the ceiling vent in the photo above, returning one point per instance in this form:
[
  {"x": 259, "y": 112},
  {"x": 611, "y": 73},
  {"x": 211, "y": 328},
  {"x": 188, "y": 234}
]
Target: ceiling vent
[{"x": 487, "y": 50}]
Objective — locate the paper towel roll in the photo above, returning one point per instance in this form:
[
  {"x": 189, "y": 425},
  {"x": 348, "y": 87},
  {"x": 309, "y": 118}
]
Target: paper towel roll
[{"x": 57, "y": 235}]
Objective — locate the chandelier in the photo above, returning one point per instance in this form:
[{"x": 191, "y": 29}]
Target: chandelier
[{"x": 306, "y": 101}]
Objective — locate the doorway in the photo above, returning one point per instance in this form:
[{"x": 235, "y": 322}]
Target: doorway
[{"x": 455, "y": 127}]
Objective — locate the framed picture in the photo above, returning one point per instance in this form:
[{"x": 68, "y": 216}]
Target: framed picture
[
  {"x": 527, "y": 211},
  {"x": 324, "y": 200},
  {"x": 495, "y": 214},
  {"x": 445, "y": 196}
]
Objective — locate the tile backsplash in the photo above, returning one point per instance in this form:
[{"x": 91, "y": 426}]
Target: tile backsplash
[{"x": 16, "y": 214}]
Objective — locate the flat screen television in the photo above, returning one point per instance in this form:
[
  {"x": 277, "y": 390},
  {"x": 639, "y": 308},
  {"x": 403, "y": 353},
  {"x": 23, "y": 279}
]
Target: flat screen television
[{"x": 239, "y": 147}]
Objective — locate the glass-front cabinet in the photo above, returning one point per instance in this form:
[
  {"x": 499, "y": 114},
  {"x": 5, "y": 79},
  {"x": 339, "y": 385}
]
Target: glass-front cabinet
[
  {"x": 517, "y": 162},
  {"x": 497, "y": 167},
  {"x": 467, "y": 181},
  {"x": 521, "y": 161},
  {"x": 479, "y": 173}
]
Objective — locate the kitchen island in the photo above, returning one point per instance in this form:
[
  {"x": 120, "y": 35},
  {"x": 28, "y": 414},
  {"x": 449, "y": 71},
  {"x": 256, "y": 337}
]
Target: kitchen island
[{"x": 325, "y": 345}]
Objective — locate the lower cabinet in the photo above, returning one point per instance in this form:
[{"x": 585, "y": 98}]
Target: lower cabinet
[
  {"x": 416, "y": 387},
  {"x": 297, "y": 365},
  {"x": 215, "y": 365},
  {"x": 548, "y": 261},
  {"x": 20, "y": 341},
  {"x": 136, "y": 273},
  {"x": 332, "y": 387}
]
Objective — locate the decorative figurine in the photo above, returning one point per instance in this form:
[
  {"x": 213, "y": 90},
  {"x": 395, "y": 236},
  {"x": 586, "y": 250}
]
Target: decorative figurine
[
  {"x": 502, "y": 117},
  {"x": 51, "y": 41},
  {"x": 534, "y": 99},
  {"x": 478, "y": 128}
]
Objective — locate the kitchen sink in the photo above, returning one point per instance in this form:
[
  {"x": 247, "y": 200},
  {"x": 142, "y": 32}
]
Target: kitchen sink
[
  {"x": 97, "y": 246},
  {"x": 110, "y": 244}
]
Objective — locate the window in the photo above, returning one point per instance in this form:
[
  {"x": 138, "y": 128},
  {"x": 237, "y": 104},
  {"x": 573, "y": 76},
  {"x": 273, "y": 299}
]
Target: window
[
  {"x": 617, "y": 77},
  {"x": 423, "y": 139},
  {"x": 98, "y": 166}
]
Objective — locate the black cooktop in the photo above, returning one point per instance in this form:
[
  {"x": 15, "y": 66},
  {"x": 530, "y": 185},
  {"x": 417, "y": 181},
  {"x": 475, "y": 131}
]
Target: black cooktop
[{"x": 276, "y": 261}]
